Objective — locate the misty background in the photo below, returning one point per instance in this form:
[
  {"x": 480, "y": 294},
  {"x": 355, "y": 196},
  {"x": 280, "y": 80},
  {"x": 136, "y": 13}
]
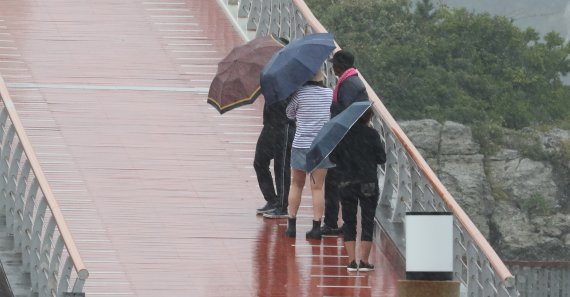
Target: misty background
[{"x": 543, "y": 16}]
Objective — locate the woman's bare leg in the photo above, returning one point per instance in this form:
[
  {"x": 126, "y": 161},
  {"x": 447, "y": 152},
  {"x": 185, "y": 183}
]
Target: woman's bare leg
[
  {"x": 365, "y": 247},
  {"x": 297, "y": 184},
  {"x": 350, "y": 250},
  {"x": 318, "y": 194}
]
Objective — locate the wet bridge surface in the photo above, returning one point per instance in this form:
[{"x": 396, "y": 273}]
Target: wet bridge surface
[{"x": 158, "y": 189}]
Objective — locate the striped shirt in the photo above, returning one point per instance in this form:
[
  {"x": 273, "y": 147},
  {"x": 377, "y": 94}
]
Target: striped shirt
[{"x": 310, "y": 107}]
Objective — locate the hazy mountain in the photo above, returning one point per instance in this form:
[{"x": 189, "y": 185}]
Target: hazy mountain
[{"x": 544, "y": 16}]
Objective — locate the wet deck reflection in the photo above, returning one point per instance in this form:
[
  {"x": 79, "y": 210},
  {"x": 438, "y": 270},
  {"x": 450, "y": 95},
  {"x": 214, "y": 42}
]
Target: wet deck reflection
[{"x": 297, "y": 267}]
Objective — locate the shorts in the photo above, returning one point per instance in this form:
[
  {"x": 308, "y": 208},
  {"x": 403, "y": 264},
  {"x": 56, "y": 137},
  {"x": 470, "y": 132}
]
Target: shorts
[{"x": 299, "y": 156}]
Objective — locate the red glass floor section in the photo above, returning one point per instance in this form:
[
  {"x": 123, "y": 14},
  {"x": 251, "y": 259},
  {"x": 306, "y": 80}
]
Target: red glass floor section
[{"x": 158, "y": 189}]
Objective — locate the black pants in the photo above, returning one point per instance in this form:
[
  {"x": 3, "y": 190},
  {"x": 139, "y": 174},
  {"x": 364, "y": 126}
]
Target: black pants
[
  {"x": 274, "y": 144},
  {"x": 331, "y": 198},
  {"x": 350, "y": 195}
]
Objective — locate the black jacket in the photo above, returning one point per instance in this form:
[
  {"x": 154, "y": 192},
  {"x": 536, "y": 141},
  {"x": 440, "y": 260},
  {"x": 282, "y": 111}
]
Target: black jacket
[
  {"x": 275, "y": 115},
  {"x": 351, "y": 90},
  {"x": 358, "y": 155}
]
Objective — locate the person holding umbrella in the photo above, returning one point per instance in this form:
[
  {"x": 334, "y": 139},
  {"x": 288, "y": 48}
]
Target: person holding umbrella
[
  {"x": 349, "y": 89},
  {"x": 357, "y": 157},
  {"x": 274, "y": 143},
  {"x": 310, "y": 108},
  {"x": 238, "y": 82}
]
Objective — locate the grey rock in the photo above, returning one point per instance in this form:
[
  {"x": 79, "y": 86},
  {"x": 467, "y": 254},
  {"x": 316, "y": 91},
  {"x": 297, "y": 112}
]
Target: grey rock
[
  {"x": 559, "y": 223},
  {"x": 464, "y": 177},
  {"x": 505, "y": 155},
  {"x": 456, "y": 139},
  {"x": 551, "y": 139},
  {"x": 512, "y": 226},
  {"x": 522, "y": 178},
  {"x": 567, "y": 240},
  {"x": 424, "y": 134},
  {"x": 519, "y": 240}
]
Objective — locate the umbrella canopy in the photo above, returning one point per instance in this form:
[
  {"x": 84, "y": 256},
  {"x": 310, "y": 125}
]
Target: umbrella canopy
[
  {"x": 237, "y": 80},
  {"x": 332, "y": 133},
  {"x": 294, "y": 65}
]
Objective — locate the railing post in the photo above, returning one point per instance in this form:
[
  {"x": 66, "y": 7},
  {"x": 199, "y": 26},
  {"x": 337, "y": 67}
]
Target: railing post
[
  {"x": 417, "y": 191},
  {"x": 403, "y": 188},
  {"x": 264, "y": 18},
  {"x": 63, "y": 284},
  {"x": 244, "y": 8},
  {"x": 566, "y": 284},
  {"x": 473, "y": 280},
  {"x": 555, "y": 281},
  {"x": 275, "y": 22},
  {"x": 390, "y": 179},
  {"x": 459, "y": 251},
  {"x": 254, "y": 15},
  {"x": 27, "y": 230},
  {"x": 37, "y": 246},
  {"x": 285, "y": 20},
  {"x": 10, "y": 188},
  {"x": 55, "y": 263},
  {"x": 4, "y": 164}
]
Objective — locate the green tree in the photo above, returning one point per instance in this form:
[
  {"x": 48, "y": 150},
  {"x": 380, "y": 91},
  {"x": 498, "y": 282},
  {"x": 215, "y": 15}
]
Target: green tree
[{"x": 429, "y": 61}]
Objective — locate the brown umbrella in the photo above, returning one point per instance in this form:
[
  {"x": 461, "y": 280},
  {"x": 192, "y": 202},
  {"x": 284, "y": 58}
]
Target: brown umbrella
[{"x": 237, "y": 80}]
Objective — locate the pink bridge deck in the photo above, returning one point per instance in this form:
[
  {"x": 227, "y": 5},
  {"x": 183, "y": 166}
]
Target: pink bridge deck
[{"x": 157, "y": 187}]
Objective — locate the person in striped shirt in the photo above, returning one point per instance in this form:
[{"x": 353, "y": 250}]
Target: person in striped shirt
[{"x": 310, "y": 108}]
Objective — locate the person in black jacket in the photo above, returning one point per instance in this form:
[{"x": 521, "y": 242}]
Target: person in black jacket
[
  {"x": 357, "y": 157},
  {"x": 274, "y": 143},
  {"x": 349, "y": 89}
]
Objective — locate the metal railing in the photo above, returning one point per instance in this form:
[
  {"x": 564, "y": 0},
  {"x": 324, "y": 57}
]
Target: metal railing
[
  {"x": 542, "y": 279},
  {"x": 409, "y": 183},
  {"x": 33, "y": 215}
]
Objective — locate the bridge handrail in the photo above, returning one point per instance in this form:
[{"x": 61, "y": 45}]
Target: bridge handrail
[
  {"x": 454, "y": 207},
  {"x": 539, "y": 264},
  {"x": 52, "y": 204}
]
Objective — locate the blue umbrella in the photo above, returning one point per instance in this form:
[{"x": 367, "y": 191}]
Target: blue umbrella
[
  {"x": 294, "y": 65},
  {"x": 332, "y": 133}
]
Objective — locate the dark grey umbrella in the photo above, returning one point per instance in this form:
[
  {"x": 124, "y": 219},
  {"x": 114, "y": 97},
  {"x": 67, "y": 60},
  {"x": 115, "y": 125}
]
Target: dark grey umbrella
[
  {"x": 237, "y": 80},
  {"x": 332, "y": 133}
]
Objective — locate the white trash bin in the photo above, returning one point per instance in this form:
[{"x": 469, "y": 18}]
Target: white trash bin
[{"x": 429, "y": 245}]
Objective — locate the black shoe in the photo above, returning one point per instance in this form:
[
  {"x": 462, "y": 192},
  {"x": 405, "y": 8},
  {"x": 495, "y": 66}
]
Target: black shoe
[
  {"x": 352, "y": 266},
  {"x": 315, "y": 233},
  {"x": 365, "y": 266},
  {"x": 326, "y": 230},
  {"x": 268, "y": 207},
  {"x": 276, "y": 214},
  {"x": 291, "y": 227}
]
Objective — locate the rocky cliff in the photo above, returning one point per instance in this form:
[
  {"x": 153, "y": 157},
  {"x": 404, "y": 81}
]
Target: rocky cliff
[{"x": 519, "y": 204}]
